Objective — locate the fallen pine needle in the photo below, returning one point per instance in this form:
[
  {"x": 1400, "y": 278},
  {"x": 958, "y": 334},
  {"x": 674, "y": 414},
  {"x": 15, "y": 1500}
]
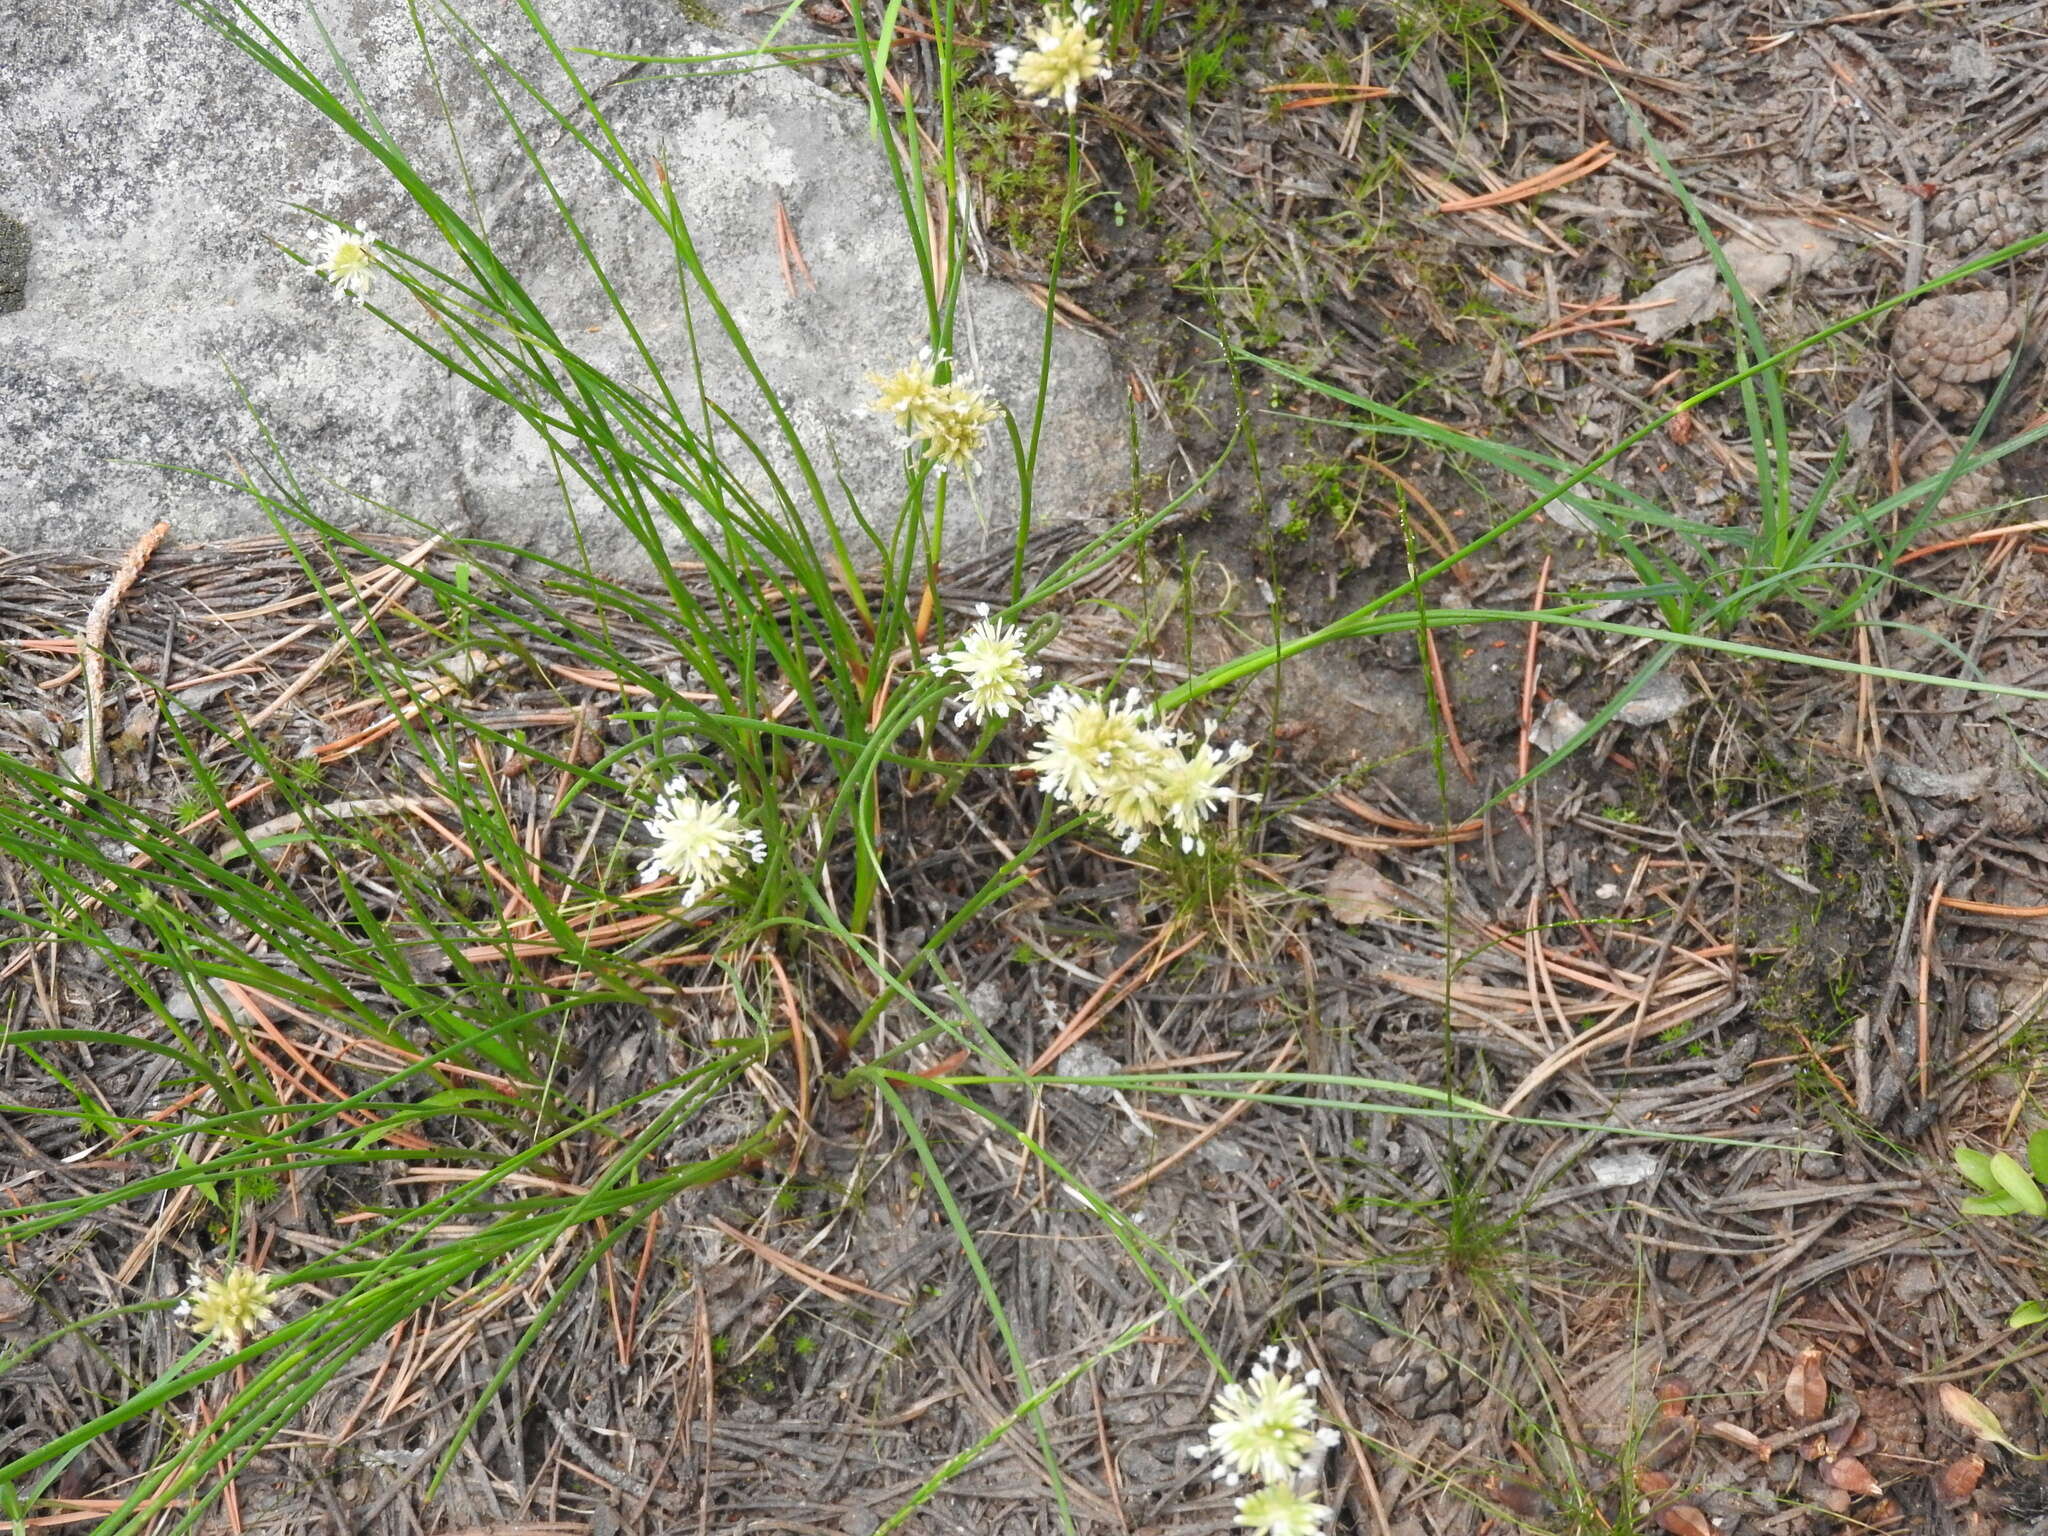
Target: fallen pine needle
[
  {"x": 825, "y": 1284},
  {"x": 1580, "y": 165}
]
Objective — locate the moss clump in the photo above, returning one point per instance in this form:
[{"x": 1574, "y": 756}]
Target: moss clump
[
  {"x": 1834, "y": 944},
  {"x": 1019, "y": 162}
]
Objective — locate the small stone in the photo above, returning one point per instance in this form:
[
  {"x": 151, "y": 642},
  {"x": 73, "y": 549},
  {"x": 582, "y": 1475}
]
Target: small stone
[
  {"x": 1224, "y": 1155},
  {"x": 1661, "y": 698},
  {"x": 1622, "y": 1169},
  {"x": 1975, "y": 490},
  {"x": 1556, "y": 726},
  {"x": 1085, "y": 1059},
  {"x": 1915, "y": 1283},
  {"x": 989, "y": 1004},
  {"x": 159, "y": 186}
]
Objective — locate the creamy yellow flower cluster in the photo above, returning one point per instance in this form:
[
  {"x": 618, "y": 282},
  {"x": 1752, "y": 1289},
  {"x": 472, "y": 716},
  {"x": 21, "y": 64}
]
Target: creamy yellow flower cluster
[
  {"x": 1063, "y": 57},
  {"x": 347, "y": 261},
  {"x": 948, "y": 423},
  {"x": 1266, "y": 1430},
  {"x": 1104, "y": 756},
  {"x": 702, "y": 842},
  {"x": 231, "y": 1307}
]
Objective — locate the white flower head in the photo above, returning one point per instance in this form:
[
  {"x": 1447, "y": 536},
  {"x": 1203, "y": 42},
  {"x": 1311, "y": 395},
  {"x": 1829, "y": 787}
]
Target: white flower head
[
  {"x": 703, "y": 843},
  {"x": 1265, "y": 1428},
  {"x": 911, "y": 391},
  {"x": 1280, "y": 1511},
  {"x": 229, "y": 1307},
  {"x": 1190, "y": 787},
  {"x": 348, "y": 260},
  {"x": 994, "y": 670},
  {"x": 953, "y": 427},
  {"x": 1132, "y": 798},
  {"x": 1089, "y": 747},
  {"x": 1061, "y": 59}
]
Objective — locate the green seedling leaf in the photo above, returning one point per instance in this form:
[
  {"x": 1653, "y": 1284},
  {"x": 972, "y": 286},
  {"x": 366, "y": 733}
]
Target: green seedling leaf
[
  {"x": 1990, "y": 1205},
  {"x": 1976, "y": 1167},
  {"x": 2028, "y": 1313},
  {"x": 2019, "y": 1184},
  {"x": 2037, "y": 1155}
]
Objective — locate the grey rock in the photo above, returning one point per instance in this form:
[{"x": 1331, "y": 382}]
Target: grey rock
[
  {"x": 1660, "y": 699},
  {"x": 150, "y": 165},
  {"x": 1915, "y": 1283},
  {"x": 1084, "y": 1058},
  {"x": 1450, "y": 1429},
  {"x": 16, "y": 1305},
  {"x": 989, "y": 1004},
  {"x": 1226, "y": 1156},
  {"x": 1621, "y": 1169},
  {"x": 1344, "y": 1336}
]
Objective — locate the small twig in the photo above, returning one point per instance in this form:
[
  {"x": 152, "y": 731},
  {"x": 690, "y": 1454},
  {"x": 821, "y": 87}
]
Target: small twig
[
  {"x": 402, "y": 585},
  {"x": 342, "y": 810},
  {"x": 1339, "y": 1416},
  {"x": 1530, "y": 667},
  {"x": 1612, "y": 65},
  {"x": 594, "y": 1466},
  {"x": 1657, "y": 964},
  {"x": 1106, "y": 997},
  {"x": 1987, "y": 908},
  {"x": 1765, "y": 41},
  {"x": 1922, "y": 1024},
  {"x": 1983, "y": 536}
]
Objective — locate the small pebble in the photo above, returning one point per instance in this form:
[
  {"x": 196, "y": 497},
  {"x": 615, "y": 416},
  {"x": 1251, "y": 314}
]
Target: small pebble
[{"x": 1915, "y": 1283}]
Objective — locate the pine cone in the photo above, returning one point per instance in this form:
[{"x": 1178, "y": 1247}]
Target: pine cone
[
  {"x": 1430, "y": 1373},
  {"x": 1969, "y": 493},
  {"x": 1952, "y": 339},
  {"x": 1894, "y": 1418},
  {"x": 1983, "y": 217}
]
